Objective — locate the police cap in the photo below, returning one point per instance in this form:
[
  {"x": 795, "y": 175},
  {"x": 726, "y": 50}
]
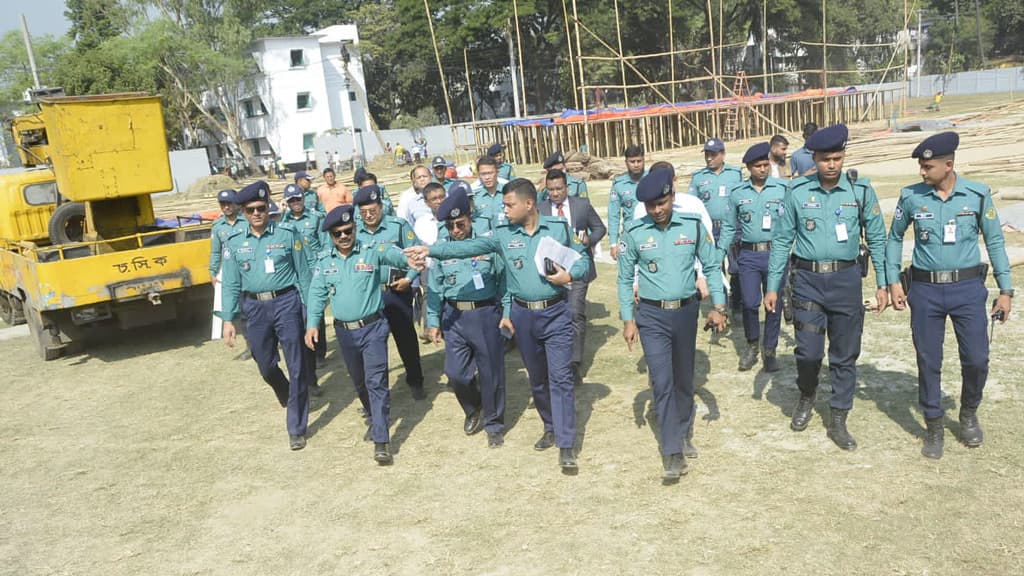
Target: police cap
[
  {"x": 937, "y": 145},
  {"x": 367, "y": 195},
  {"x": 227, "y": 196},
  {"x": 258, "y": 190},
  {"x": 302, "y": 174},
  {"x": 439, "y": 161},
  {"x": 460, "y": 185},
  {"x": 554, "y": 159},
  {"x": 338, "y": 217},
  {"x": 292, "y": 191},
  {"x": 757, "y": 152},
  {"x": 655, "y": 185},
  {"x": 714, "y": 145},
  {"x": 494, "y": 150},
  {"x": 831, "y": 139},
  {"x": 455, "y": 205}
]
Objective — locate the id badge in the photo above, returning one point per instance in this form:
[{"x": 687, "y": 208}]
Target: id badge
[
  {"x": 268, "y": 266},
  {"x": 478, "y": 281},
  {"x": 841, "y": 234},
  {"x": 766, "y": 222},
  {"x": 722, "y": 192},
  {"x": 949, "y": 234}
]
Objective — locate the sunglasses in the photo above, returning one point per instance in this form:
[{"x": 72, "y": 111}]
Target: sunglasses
[
  {"x": 256, "y": 209},
  {"x": 339, "y": 232},
  {"x": 460, "y": 224}
]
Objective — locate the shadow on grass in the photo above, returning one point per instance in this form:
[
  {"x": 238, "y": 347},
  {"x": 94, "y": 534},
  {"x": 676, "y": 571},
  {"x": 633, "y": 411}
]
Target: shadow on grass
[
  {"x": 409, "y": 412},
  {"x": 645, "y": 413}
]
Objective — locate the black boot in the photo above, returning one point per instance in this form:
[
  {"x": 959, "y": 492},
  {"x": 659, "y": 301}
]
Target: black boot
[
  {"x": 771, "y": 364},
  {"x": 675, "y": 467},
  {"x": 933, "y": 438},
  {"x": 802, "y": 413},
  {"x": 749, "y": 357},
  {"x": 382, "y": 453},
  {"x": 970, "y": 429},
  {"x": 837, "y": 430}
]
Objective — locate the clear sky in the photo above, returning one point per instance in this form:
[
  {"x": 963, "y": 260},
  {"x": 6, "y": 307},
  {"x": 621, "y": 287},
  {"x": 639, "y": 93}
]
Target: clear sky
[{"x": 44, "y": 17}]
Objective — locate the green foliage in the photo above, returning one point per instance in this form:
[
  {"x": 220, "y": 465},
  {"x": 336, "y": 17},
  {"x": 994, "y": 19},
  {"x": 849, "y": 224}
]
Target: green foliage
[
  {"x": 15, "y": 74},
  {"x": 426, "y": 116}
]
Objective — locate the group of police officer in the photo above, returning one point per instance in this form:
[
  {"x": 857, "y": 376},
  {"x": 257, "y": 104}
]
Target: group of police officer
[{"x": 485, "y": 280}]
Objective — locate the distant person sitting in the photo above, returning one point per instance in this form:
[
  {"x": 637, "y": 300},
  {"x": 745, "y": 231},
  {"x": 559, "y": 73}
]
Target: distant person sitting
[{"x": 934, "y": 106}]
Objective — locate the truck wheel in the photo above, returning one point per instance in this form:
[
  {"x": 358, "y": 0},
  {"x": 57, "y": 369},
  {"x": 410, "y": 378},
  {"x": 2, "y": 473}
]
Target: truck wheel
[
  {"x": 47, "y": 344},
  {"x": 10, "y": 310},
  {"x": 67, "y": 223}
]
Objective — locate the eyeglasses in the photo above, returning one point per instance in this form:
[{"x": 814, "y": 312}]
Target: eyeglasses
[
  {"x": 339, "y": 232},
  {"x": 460, "y": 224},
  {"x": 256, "y": 209}
]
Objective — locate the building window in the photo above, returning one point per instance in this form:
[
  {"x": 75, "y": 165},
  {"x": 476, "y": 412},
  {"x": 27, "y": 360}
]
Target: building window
[
  {"x": 351, "y": 96},
  {"x": 307, "y": 140},
  {"x": 298, "y": 58},
  {"x": 302, "y": 101},
  {"x": 254, "y": 107}
]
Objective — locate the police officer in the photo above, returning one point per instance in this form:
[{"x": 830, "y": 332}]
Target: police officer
[
  {"x": 824, "y": 214},
  {"x": 377, "y": 231},
  {"x": 265, "y": 273},
  {"x": 664, "y": 246},
  {"x": 753, "y": 206},
  {"x": 307, "y": 223},
  {"x": 577, "y": 187},
  {"x": 364, "y": 179},
  {"x": 227, "y": 224},
  {"x": 350, "y": 274},
  {"x": 622, "y": 198},
  {"x": 309, "y": 196},
  {"x": 487, "y": 196},
  {"x": 506, "y": 170},
  {"x": 440, "y": 169},
  {"x": 535, "y": 310},
  {"x": 712, "y": 185},
  {"x": 464, "y": 307},
  {"x": 947, "y": 278}
]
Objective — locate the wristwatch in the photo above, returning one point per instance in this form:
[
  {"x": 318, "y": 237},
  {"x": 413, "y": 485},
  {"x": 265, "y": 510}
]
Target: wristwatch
[{"x": 1006, "y": 292}]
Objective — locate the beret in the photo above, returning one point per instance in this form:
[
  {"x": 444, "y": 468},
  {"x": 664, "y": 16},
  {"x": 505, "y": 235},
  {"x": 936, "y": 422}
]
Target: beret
[
  {"x": 757, "y": 152},
  {"x": 655, "y": 185},
  {"x": 714, "y": 145},
  {"x": 227, "y": 195},
  {"x": 455, "y": 205},
  {"x": 258, "y": 190},
  {"x": 831, "y": 139},
  {"x": 942, "y": 144},
  {"x": 555, "y": 158},
  {"x": 367, "y": 195},
  {"x": 337, "y": 217},
  {"x": 494, "y": 150}
]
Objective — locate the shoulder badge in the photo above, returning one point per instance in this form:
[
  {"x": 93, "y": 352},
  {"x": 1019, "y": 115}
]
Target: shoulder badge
[
  {"x": 298, "y": 245},
  {"x": 990, "y": 214}
]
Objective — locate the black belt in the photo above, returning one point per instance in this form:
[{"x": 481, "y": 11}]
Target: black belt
[
  {"x": 756, "y": 246},
  {"x": 467, "y": 305},
  {"x": 823, "y": 266},
  {"x": 356, "y": 324},
  {"x": 670, "y": 304},
  {"x": 264, "y": 296},
  {"x": 946, "y": 276},
  {"x": 539, "y": 304}
]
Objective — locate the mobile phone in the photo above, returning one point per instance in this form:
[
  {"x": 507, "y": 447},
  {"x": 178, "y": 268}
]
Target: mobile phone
[
  {"x": 549, "y": 267},
  {"x": 506, "y": 333}
]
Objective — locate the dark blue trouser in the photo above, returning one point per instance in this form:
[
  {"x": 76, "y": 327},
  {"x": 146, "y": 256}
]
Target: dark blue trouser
[
  {"x": 365, "y": 351},
  {"x": 669, "y": 339},
  {"x": 398, "y": 311},
  {"x": 964, "y": 303},
  {"x": 837, "y": 310},
  {"x": 732, "y": 267},
  {"x": 281, "y": 320},
  {"x": 754, "y": 281},
  {"x": 473, "y": 343},
  {"x": 544, "y": 339}
]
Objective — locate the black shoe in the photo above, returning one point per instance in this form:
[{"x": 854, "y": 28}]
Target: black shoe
[
  {"x": 473, "y": 423},
  {"x": 546, "y": 441},
  {"x": 771, "y": 363},
  {"x": 934, "y": 438},
  {"x": 837, "y": 430},
  {"x": 495, "y": 439},
  {"x": 296, "y": 441},
  {"x": 802, "y": 413},
  {"x": 971, "y": 433},
  {"x": 244, "y": 355},
  {"x": 749, "y": 358},
  {"x": 381, "y": 453},
  {"x": 567, "y": 460},
  {"x": 418, "y": 393},
  {"x": 689, "y": 450},
  {"x": 675, "y": 468},
  {"x": 315, "y": 390}
]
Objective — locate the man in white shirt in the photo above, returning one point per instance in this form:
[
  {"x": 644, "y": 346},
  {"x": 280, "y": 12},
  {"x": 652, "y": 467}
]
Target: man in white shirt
[{"x": 411, "y": 204}]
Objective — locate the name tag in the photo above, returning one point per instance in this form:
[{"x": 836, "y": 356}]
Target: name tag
[
  {"x": 949, "y": 233},
  {"x": 244, "y": 250},
  {"x": 722, "y": 192},
  {"x": 811, "y": 205},
  {"x": 516, "y": 244},
  {"x": 924, "y": 216},
  {"x": 766, "y": 222},
  {"x": 478, "y": 281},
  {"x": 745, "y": 201},
  {"x": 841, "y": 234},
  {"x": 649, "y": 246},
  {"x": 363, "y": 267},
  {"x": 268, "y": 266}
]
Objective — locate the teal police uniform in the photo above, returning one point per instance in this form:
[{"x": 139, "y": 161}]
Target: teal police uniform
[
  {"x": 947, "y": 278},
  {"x": 666, "y": 315},
  {"x": 308, "y": 226},
  {"x": 220, "y": 231},
  {"x": 542, "y": 318},
  {"x": 823, "y": 228},
  {"x": 489, "y": 206},
  {"x": 621, "y": 204},
  {"x": 713, "y": 190},
  {"x": 507, "y": 171},
  {"x": 464, "y": 301}
]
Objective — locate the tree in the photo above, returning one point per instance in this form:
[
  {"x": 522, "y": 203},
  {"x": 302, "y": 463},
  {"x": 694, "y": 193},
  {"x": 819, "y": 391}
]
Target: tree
[{"x": 15, "y": 74}]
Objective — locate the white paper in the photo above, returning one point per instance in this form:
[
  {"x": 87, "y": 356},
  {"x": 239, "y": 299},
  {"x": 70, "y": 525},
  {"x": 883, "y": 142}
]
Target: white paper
[
  {"x": 217, "y": 328},
  {"x": 550, "y": 248}
]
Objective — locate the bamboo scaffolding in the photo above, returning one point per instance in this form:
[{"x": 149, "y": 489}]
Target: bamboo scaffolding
[
  {"x": 522, "y": 65},
  {"x": 622, "y": 62}
]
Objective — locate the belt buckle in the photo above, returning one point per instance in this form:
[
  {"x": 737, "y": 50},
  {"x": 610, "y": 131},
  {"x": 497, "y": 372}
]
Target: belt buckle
[
  {"x": 825, "y": 267},
  {"x": 670, "y": 304},
  {"x": 264, "y": 296},
  {"x": 945, "y": 276}
]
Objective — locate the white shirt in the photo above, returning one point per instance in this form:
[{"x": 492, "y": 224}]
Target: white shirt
[
  {"x": 426, "y": 228},
  {"x": 411, "y": 206},
  {"x": 479, "y": 184},
  {"x": 565, "y": 211}
]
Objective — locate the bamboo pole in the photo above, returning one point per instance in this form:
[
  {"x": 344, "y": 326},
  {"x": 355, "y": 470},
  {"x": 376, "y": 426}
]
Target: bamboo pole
[
  {"x": 522, "y": 64},
  {"x": 572, "y": 67},
  {"x": 714, "y": 64},
  {"x": 622, "y": 63},
  {"x": 824, "y": 58},
  {"x": 583, "y": 84},
  {"x": 764, "y": 46},
  {"x": 659, "y": 54},
  {"x": 672, "y": 53},
  {"x": 469, "y": 87},
  {"x": 440, "y": 70}
]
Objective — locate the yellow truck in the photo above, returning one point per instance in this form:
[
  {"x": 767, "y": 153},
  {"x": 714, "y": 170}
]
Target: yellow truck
[{"x": 81, "y": 250}]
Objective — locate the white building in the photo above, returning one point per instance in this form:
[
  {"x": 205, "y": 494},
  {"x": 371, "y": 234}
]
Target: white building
[{"x": 307, "y": 87}]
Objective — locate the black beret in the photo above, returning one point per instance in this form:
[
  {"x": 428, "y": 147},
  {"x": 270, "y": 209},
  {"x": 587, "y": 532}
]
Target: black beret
[
  {"x": 655, "y": 185},
  {"x": 258, "y": 190},
  {"x": 367, "y": 195},
  {"x": 757, "y": 152},
  {"x": 494, "y": 150},
  {"x": 941, "y": 144},
  {"x": 455, "y": 205},
  {"x": 339, "y": 216},
  {"x": 555, "y": 158},
  {"x": 831, "y": 139}
]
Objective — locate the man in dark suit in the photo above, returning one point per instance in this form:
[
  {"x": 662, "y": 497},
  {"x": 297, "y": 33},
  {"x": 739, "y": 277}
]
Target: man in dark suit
[{"x": 589, "y": 229}]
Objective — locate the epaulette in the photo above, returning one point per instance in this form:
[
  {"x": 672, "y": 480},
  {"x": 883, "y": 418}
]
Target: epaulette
[
  {"x": 733, "y": 168},
  {"x": 323, "y": 254},
  {"x": 633, "y": 224},
  {"x": 689, "y": 216},
  {"x": 800, "y": 182},
  {"x": 976, "y": 187}
]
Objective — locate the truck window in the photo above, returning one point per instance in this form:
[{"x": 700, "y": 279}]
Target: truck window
[{"x": 41, "y": 193}]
